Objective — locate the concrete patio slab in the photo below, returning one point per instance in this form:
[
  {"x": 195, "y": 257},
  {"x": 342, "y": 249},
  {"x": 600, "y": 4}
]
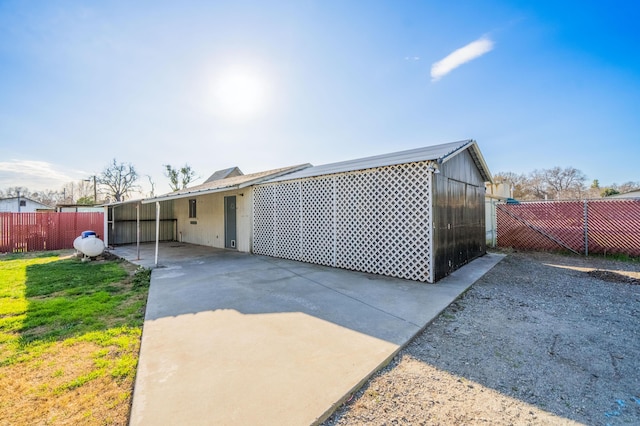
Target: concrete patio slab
[{"x": 234, "y": 338}]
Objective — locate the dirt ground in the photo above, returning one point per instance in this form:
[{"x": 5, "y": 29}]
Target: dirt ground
[{"x": 541, "y": 339}]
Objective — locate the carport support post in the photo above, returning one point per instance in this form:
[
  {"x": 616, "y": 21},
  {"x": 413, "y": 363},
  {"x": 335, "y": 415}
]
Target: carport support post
[
  {"x": 105, "y": 226},
  {"x": 157, "y": 229},
  {"x": 138, "y": 231}
]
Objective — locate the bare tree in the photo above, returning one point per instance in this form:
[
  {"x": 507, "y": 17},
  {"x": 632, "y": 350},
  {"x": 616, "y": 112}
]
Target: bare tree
[
  {"x": 517, "y": 183},
  {"x": 179, "y": 178},
  {"x": 48, "y": 197},
  {"x": 627, "y": 187},
  {"x": 119, "y": 178},
  {"x": 153, "y": 187},
  {"x": 536, "y": 186},
  {"x": 564, "y": 183},
  {"x": 554, "y": 183},
  {"x": 74, "y": 191},
  {"x": 13, "y": 191}
]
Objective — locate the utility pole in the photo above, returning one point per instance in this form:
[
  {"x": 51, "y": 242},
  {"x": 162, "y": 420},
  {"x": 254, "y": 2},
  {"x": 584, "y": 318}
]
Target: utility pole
[{"x": 95, "y": 190}]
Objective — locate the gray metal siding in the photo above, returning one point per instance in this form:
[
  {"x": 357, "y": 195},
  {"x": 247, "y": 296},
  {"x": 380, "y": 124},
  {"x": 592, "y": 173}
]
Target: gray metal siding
[
  {"x": 461, "y": 167},
  {"x": 459, "y": 219},
  {"x": 123, "y": 224}
]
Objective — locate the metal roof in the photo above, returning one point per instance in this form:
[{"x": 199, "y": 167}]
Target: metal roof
[
  {"x": 228, "y": 184},
  {"x": 438, "y": 153},
  {"x": 27, "y": 198},
  {"x": 120, "y": 203}
]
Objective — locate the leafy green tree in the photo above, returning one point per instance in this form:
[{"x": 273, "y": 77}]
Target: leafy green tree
[
  {"x": 607, "y": 192},
  {"x": 86, "y": 200},
  {"x": 179, "y": 178}
]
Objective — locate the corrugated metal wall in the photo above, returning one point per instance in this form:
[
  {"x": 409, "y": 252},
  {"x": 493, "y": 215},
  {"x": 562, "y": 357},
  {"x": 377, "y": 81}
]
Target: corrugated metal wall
[
  {"x": 123, "y": 226},
  {"x": 590, "y": 226},
  {"x": 45, "y": 231},
  {"x": 459, "y": 217},
  {"x": 376, "y": 220}
]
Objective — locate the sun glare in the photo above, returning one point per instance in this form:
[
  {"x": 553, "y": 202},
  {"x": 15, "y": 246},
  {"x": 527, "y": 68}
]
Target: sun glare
[{"x": 239, "y": 94}]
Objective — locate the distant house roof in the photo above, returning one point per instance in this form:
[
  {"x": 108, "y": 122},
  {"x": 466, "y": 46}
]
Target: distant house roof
[
  {"x": 40, "y": 205},
  {"x": 439, "y": 153},
  {"x": 223, "y": 174},
  {"x": 227, "y": 184},
  {"x": 631, "y": 194}
]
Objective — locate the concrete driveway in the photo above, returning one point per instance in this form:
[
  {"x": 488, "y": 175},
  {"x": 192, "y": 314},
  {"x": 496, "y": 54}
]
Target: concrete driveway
[{"x": 234, "y": 338}]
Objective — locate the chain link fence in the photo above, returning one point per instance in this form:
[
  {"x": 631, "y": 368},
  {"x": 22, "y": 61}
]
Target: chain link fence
[{"x": 582, "y": 227}]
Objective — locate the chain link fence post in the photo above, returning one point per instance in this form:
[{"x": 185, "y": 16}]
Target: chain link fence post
[{"x": 586, "y": 227}]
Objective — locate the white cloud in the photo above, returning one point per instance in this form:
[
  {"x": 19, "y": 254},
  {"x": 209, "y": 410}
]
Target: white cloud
[
  {"x": 35, "y": 175},
  {"x": 460, "y": 56}
]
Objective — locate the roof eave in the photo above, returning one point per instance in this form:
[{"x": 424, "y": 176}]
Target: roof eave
[
  {"x": 170, "y": 197},
  {"x": 275, "y": 175},
  {"x": 120, "y": 203},
  {"x": 196, "y": 193}
]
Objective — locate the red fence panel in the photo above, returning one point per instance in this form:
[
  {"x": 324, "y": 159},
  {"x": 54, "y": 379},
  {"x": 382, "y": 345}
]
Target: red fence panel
[
  {"x": 21, "y": 232},
  {"x": 614, "y": 227},
  {"x": 606, "y": 226}
]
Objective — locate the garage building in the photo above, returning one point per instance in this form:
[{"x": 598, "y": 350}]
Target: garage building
[{"x": 416, "y": 214}]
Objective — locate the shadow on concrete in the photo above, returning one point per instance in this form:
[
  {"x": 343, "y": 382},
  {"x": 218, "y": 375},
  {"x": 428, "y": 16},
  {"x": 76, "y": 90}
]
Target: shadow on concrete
[
  {"x": 201, "y": 279},
  {"x": 234, "y": 338}
]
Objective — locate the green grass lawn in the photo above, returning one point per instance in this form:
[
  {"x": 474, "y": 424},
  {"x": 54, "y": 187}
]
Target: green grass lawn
[{"x": 69, "y": 338}]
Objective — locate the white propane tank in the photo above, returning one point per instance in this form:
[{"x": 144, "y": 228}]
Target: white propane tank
[
  {"x": 91, "y": 246},
  {"x": 76, "y": 243}
]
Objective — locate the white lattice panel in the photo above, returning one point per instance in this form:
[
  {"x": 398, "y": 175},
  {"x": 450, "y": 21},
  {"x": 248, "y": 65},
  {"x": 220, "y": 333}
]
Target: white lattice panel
[
  {"x": 347, "y": 219},
  {"x": 318, "y": 221},
  {"x": 263, "y": 220},
  {"x": 287, "y": 221},
  {"x": 386, "y": 225},
  {"x": 376, "y": 220}
]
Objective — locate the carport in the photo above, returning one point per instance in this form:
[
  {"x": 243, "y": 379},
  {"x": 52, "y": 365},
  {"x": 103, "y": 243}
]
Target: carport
[{"x": 217, "y": 213}]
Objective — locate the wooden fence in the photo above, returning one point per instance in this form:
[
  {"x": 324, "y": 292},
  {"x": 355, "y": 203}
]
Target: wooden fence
[
  {"x": 583, "y": 227},
  {"x": 21, "y": 232}
]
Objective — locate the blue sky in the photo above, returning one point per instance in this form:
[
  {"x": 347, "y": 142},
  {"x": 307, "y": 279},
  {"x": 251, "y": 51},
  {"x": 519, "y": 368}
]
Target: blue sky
[{"x": 262, "y": 85}]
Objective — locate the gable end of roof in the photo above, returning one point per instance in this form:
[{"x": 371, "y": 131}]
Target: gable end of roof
[
  {"x": 224, "y": 174},
  {"x": 476, "y": 155}
]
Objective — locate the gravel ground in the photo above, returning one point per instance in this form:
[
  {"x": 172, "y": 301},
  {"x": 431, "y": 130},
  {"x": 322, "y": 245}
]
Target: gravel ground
[{"x": 541, "y": 339}]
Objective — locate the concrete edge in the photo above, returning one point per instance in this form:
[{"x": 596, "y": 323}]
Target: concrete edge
[{"x": 386, "y": 361}]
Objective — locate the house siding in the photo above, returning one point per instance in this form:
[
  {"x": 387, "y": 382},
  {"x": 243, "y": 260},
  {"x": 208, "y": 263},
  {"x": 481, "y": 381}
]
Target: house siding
[
  {"x": 207, "y": 228},
  {"x": 11, "y": 205}
]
